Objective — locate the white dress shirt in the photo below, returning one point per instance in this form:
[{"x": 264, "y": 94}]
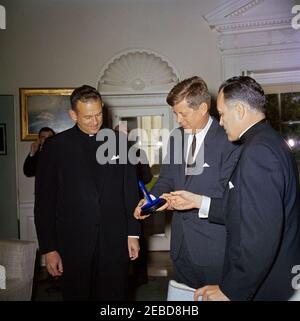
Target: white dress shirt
[{"x": 205, "y": 204}]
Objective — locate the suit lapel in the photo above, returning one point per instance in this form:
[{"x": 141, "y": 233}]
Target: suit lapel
[
  {"x": 181, "y": 168},
  {"x": 209, "y": 143},
  {"x": 229, "y": 164},
  {"x": 105, "y": 168}
]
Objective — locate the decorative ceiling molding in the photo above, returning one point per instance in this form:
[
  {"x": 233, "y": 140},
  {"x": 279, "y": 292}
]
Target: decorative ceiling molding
[
  {"x": 243, "y": 9},
  {"x": 257, "y": 35},
  {"x": 137, "y": 71},
  {"x": 231, "y": 8},
  {"x": 235, "y": 16},
  {"x": 239, "y": 26},
  {"x": 254, "y": 25}
]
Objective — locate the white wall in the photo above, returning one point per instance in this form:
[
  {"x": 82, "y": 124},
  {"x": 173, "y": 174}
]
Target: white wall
[{"x": 65, "y": 43}]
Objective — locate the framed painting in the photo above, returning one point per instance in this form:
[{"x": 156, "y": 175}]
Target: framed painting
[
  {"x": 46, "y": 107},
  {"x": 3, "y": 144}
]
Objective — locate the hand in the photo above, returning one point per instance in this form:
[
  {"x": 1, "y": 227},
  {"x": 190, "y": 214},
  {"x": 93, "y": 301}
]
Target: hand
[
  {"x": 35, "y": 147},
  {"x": 168, "y": 206},
  {"x": 133, "y": 248},
  {"x": 54, "y": 263},
  {"x": 137, "y": 211},
  {"x": 210, "y": 293},
  {"x": 184, "y": 200}
]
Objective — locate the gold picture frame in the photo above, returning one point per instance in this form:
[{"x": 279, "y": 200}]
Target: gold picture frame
[{"x": 44, "y": 107}]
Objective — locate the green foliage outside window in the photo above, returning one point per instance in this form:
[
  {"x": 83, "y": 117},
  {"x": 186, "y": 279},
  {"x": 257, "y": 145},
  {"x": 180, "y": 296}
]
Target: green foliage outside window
[{"x": 283, "y": 112}]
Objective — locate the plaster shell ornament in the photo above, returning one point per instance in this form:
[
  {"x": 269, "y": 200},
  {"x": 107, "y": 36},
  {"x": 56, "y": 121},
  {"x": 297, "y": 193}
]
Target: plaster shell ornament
[{"x": 137, "y": 72}]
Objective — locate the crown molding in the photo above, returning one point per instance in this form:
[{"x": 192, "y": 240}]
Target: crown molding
[
  {"x": 235, "y": 16},
  {"x": 230, "y": 9},
  {"x": 253, "y": 25},
  {"x": 239, "y": 27},
  {"x": 243, "y": 9},
  {"x": 260, "y": 41}
]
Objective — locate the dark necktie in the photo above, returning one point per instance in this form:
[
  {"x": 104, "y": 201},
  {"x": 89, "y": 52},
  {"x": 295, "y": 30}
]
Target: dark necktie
[{"x": 190, "y": 158}]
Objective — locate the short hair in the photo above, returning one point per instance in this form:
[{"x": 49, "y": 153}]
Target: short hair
[
  {"x": 194, "y": 90},
  {"x": 84, "y": 93},
  {"x": 245, "y": 89},
  {"x": 46, "y": 129}
]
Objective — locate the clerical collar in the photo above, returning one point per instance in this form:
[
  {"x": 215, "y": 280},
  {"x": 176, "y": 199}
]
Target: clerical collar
[
  {"x": 85, "y": 135},
  {"x": 249, "y": 129}
]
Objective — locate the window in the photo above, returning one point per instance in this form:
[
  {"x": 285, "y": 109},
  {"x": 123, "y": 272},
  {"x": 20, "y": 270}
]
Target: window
[{"x": 283, "y": 112}]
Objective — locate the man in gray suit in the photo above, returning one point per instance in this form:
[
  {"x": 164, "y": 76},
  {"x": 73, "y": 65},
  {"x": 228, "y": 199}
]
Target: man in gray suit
[{"x": 197, "y": 246}]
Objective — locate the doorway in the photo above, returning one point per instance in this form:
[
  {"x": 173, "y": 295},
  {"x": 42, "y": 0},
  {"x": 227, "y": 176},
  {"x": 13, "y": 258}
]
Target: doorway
[
  {"x": 151, "y": 121},
  {"x": 8, "y": 185}
]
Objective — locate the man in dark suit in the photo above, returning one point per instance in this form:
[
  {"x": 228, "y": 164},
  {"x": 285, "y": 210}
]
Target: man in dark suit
[
  {"x": 31, "y": 161},
  {"x": 83, "y": 210},
  {"x": 197, "y": 154},
  {"x": 261, "y": 204}
]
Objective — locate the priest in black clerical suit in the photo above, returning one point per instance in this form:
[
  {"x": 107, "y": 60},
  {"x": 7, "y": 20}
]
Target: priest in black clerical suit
[{"x": 83, "y": 210}]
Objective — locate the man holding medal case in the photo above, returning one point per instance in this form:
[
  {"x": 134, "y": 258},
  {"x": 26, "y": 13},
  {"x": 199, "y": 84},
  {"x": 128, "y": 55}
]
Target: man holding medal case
[
  {"x": 197, "y": 246},
  {"x": 260, "y": 206}
]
